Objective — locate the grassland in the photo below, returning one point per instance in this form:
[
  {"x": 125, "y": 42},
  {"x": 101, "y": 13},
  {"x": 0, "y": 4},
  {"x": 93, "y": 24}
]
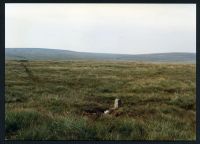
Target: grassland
[{"x": 65, "y": 100}]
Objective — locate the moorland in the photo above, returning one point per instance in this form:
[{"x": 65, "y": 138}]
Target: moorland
[{"x": 66, "y": 100}]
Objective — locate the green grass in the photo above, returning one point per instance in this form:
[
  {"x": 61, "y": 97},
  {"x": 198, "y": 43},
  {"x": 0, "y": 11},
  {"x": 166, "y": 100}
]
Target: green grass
[{"x": 64, "y": 100}]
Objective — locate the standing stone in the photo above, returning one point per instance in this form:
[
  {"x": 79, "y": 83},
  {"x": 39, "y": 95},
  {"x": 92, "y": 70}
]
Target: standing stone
[{"x": 117, "y": 103}]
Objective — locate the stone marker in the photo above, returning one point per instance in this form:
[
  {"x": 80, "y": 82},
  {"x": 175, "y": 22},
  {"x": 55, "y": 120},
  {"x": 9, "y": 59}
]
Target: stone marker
[{"x": 117, "y": 103}]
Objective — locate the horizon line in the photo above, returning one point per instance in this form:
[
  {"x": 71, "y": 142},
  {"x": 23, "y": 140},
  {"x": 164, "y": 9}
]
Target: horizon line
[{"x": 97, "y": 52}]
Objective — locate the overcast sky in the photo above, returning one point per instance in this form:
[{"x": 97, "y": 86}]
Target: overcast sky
[{"x": 105, "y": 28}]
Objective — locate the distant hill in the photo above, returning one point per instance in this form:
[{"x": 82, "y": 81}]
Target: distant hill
[{"x": 55, "y": 54}]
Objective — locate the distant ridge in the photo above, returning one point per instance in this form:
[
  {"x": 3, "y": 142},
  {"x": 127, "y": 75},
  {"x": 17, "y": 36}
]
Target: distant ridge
[{"x": 55, "y": 54}]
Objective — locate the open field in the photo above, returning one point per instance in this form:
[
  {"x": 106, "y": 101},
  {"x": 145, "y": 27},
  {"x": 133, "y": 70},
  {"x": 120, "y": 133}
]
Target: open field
[{"x": 65, "y": 100}]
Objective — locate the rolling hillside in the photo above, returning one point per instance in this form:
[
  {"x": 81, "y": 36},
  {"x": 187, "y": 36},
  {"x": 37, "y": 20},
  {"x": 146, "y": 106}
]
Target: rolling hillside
[{"x": 55, "y": 54}]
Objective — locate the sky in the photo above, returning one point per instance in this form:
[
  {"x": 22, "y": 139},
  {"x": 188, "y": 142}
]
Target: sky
[{"x": 102, "y": 28}]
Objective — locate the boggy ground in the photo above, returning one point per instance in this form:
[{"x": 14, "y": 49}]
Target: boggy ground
[{"x": 65, "y": 100}]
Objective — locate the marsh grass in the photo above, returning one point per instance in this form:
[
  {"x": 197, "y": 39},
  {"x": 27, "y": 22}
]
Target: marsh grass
[{"x": 65, "y": 100}]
